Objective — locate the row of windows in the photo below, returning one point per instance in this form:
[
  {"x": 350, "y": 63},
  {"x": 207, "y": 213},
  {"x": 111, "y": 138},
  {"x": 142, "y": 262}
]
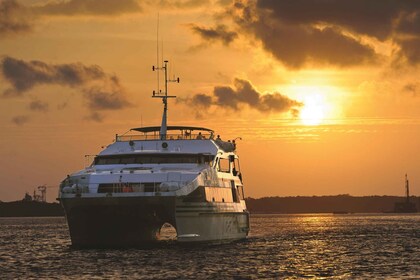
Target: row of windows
[
  {"x": 223, "y": 165},
  {"x": 153, "y": 159}
]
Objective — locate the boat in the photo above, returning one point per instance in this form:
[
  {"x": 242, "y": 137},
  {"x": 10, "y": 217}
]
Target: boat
[{"x": 152, "y": 177}]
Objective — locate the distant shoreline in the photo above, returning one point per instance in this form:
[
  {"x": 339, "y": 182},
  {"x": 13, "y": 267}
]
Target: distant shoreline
[
  {"x": 30, "y": 209},
  {"x": 337, "y": 204}
]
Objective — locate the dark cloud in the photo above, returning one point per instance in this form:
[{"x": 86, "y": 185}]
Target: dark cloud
[
  {"x": 328, "y": 31},
  {"x": 37, "y": 105},
  {"x": 88, "y": 7},
  {"x": 199, "y": 100},
  {"x": 410, "y": 24},
  {"x": 413, "y": 88},
  {"x": 296, "y": 41},
  {"x": 25, "y": 75},
  {"x": 218, "y": 33},
  {"x": 374, "y": 17},
  {"x": 243, "y": 93},
  {"x": 100, "y": 99},
  {"x": 20, "y": 120},
  {"x": 295, "y": 46},
  {"x": 95, "y": 116},
  {"x": 182, "y": 4},
  {"x": 17, "y": 19},
  {"x": 101, "y": 90},
  {"x": 14, "y": 18},
  {"x": 410, "y": 50}
]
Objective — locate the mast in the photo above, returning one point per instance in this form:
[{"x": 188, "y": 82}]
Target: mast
[{"x": 164, "y": 95}]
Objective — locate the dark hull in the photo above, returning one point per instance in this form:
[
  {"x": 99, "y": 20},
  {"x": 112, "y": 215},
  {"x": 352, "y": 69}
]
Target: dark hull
[{"x": 116, "y": 222}]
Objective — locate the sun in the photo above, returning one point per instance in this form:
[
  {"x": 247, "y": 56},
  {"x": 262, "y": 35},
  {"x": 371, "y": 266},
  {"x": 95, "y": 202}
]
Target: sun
[
  {"x": 314, "y": 109},
  {"x": 317, "y": 106}
]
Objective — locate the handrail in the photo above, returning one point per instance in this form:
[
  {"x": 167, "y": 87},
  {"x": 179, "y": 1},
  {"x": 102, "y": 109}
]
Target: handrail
[{"x": 169, "y": 137}]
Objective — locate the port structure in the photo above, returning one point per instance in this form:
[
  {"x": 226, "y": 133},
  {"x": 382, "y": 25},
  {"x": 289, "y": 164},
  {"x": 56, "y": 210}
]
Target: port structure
[
  {"x": 39, "y": 195},
  {"x": 164, "y": 95}
]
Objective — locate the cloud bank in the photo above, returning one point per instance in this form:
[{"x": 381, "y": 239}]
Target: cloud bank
[
  {"x": 325, "y": 32},
  {"x": 243, "y": 93},
  {"x": 88, "y": 7},
  {"x": 16, "y": 18},
  {"x": 100, "y": 90}
]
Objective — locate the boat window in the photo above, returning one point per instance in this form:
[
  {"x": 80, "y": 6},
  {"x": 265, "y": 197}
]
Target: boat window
[
  {"x": 154, "y": 159},
  {"x": 128, "y": 160},
  {"x": 236, "y": 167},
  {"x": 224, "y": 165}
]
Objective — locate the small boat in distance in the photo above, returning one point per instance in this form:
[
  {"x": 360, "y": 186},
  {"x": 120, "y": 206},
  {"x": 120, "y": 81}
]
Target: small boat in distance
[{"x": 154, "y": 176}]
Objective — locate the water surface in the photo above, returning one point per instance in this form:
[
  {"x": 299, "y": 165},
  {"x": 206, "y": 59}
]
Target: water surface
[{"x": 279, "y": 246}]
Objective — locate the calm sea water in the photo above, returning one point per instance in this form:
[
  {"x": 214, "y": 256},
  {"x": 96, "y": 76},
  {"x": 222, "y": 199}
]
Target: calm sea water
[{"x": 279, "y": 246}]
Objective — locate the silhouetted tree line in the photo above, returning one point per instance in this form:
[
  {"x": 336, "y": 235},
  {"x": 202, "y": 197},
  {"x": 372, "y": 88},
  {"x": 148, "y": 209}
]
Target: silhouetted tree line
[
  {"x": 30, "y": 209},
  {"x": 326, "y": 204}
]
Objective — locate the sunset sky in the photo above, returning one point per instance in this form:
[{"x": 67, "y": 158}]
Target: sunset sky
[{"x": 324, "y": 93}]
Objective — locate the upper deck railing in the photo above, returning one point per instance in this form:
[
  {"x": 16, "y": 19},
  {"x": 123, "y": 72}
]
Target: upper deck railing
[
  {"x": 171, "y": 136},
  {"x": 174, "y": 133}
]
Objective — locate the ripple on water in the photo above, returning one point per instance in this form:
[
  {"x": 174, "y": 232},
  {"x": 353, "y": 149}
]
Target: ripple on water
[{"x": 280, "y": 246}]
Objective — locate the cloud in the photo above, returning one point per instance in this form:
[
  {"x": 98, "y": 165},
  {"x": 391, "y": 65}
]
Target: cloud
[
  {"x": 329, "y": 32},
  {"x": 14, "y": 18},
  {"x": 218, "y": 33},
  {"x": 182, "y": 4},
  {"x": 37, "y": 105},
  {"x": 99, "y": 99},
  {"x": 410, "y": 50},
  {"x": 200, "y": 100},
  {"x": 413, "y": 88},
  {"x": 295, "y": 46},
  {"x": 95, "y": 116},
  {"x": 20, "y": 120},
  {"x": 88, "y": 7},
  {"x": 373, "y": 18},
  {"x": 25, "y": 75},
  {"x": 19, "y": 19},
  {"x": 296, "y": 41},
  {"x": 410, "y": 24},
  {"x": 101, "y": 90},
  {"x": 243, "y": 93}
]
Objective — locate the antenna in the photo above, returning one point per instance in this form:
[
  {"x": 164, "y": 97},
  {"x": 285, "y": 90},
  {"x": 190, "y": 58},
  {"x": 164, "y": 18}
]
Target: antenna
[
  {"x": 159, "y": 94},
  {"x": 157, "y": 52},
  {"x": 164, "y": 95}
]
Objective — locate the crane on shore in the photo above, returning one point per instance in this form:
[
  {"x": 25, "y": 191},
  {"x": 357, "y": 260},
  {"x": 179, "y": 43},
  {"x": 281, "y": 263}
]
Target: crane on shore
[{"x": 40, "y": 194}]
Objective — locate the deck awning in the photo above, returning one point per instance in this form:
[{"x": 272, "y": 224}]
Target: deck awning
[{"x": 157, "y": 128}]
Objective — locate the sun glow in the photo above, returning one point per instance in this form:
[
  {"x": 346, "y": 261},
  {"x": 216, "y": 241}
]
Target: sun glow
[
  {"x": 318, "y": 105},
  {"x": 314, "y": 109}
]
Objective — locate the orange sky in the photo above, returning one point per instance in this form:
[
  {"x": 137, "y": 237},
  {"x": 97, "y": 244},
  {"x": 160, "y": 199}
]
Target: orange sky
[{"x": 326, "y": 103}]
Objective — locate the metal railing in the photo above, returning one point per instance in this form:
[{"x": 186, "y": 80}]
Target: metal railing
[{"x": 169, "y": 137}]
